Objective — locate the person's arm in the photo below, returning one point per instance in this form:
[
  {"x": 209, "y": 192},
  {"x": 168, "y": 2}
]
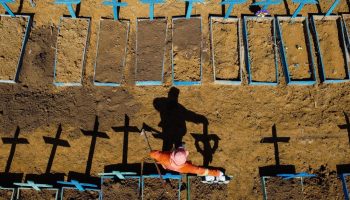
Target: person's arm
[{"x": 200, "y": 171}]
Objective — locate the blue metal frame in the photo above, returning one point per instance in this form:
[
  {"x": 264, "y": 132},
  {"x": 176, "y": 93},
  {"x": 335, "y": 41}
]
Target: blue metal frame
[
  {"x": 246, "y": 45},
  {"x": 231, "y": 3},
  {"x": 335, "y": 4},
  {"x": 10, "y": 189},
  {"x": 151, "y": 82},
  {"x": 165, "y": 176},
  {"x": 323, "y": 75},
  {"x": 185, "y": 83},
  {"x": 6, "y": 7},
  {"x": 115, "y": 6},
  {"x": 24, "y": 42},
  {"x": 344, "y": 185},
  {"x": 282, "y": 51},
  {"x": 266, "y": 3},
  {"x": 111, "y": 84},
  {"x": 302, "y": 3},
  {"x": 83, "y": 60},
  {"x": 125, "y": 177},
  {"x": 23, "y": 188},
  {"x": 69, "y": 4},
  {"x": 237, "y": 21}
]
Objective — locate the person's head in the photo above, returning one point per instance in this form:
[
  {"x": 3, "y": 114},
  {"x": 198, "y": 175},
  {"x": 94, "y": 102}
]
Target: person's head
[{"x": 179, "y": 156}]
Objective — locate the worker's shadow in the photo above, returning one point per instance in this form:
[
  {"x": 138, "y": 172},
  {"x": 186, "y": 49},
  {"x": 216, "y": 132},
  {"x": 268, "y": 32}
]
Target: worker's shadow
[{"x": 173, "y": 124}]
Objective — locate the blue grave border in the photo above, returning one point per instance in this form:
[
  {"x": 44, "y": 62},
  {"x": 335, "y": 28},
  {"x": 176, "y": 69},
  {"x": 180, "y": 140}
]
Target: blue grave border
[
  {"x": 164, "y": 176},
  {"x": 151, "y": 82},
  {"x": 24, "y": 42},
  {"x": 240, "y": 49},
  {"x": 111, "y": 84},
  {"x": 282, "y": 51},
  {"x": 345, "y": 185},
  {"x": 246, "y": 45},
  {"x": 322, "y": 72},
  {"x": 84, "y": 54},
  {"x": 346, "y": 31},
  {"x": 186, "y": 83},
  {"x": 125, "y": 176},
  {"x": 25, "y": 188},
  {"x": 10, "y": 189},
  {"x": 73, "y": 188}
]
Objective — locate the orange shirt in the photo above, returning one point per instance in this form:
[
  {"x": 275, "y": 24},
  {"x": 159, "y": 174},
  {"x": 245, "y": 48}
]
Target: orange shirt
[{"x": 163, "y": 157}]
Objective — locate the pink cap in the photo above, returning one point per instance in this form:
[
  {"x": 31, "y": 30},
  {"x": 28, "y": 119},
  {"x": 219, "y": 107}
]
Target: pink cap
[{"x": 179, "y": 156}]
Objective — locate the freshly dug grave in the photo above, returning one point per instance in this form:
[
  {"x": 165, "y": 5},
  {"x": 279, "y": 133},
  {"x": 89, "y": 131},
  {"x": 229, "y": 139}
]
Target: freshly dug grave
[
  {"x": 121, "y": 189},
  {"x": 70, "y": 194},
  {"x": 12, "y": 32},
  {"x": 30, "y": 194},
  {"x": 71, "y": 42},
  {"x": 155, "y": 189},
  {"x": 261, "y": 50},
  {"x": 278, "y": 188},
  {"x": 187, "y": 39},
  {"x": 199, "y": 190},
  {"x": 150, "y": 50},
  {"x": 6, "y": 194},
  {"x": 226, "y": 50},
  {"x": 111, "y": 52},
  {"x": 294, "y": 39},
  {"x": 330, "y": 43}
]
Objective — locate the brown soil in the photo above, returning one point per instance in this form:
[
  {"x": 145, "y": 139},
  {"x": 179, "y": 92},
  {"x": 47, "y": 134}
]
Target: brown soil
[
  {"x": 296, "y": 50},
  {"x": 72, "y": 194},
  {"x": 261, "y": 50},
  {"x": 120, "y": 189},
  {"x": 331, "y": 50},
  {"x": 71, "y": 42},
  {"x": 187, "y": 38},
  {"x": 205, "y": 191},
  {"x": 154, "y": 189},
  {"x": 111, "y": 53},
  {"x": 278, "y": 188},
  {"x": 6, "y": 194},
  {"x": 151, "y": 37},
  {"x": 226, "y": 49},
  {"x": 12, "y": 30},
  {"x": 35, "y": 195}
]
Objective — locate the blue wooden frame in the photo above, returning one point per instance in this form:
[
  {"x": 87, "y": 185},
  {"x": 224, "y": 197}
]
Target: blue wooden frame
[
  {"x": 111, "y": 84},
  {"x": 246, "y": 45},
  {"x": 24, "y": 188},
  {"x": 125, "y": 176},
  {"x": 186, "y": 83},
  {"x": 165, "y": 176},
  {"x": 24, "y": 42},
  {"x": 345, "y": 185},
  {"x": 283, "y": 54},
  {"x": 151, "y": 82},
  {"x": 323, "y": 75},
  {"x": 346, "y": 31},
  {"x": 84, "y": 55},
  {"x": 240, "y": 49},
  {"x": 10, "y": 189}
]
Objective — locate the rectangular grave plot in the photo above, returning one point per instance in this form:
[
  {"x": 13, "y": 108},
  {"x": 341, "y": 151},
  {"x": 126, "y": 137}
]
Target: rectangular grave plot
[
  {"x": 7, "y": 193},
  {"x": 346, "y": 23},
  {"x": 330, "y": 46},
  {"x": 186, "y": 51},
  {"x": 117, "y": 189},
  {"x": 72, "y": 193},
  {"x": 153, "y": 188},
  {"x": 150, "y": 51},
  {"x": 260, "y": 44},
  {"x": 323, "y": 188},
  {"x": 71, "y": 46},
  {"x": 198, "y": 190},
  {"x": 226, "y": 50},
  {"x": 296, "y": 50},
  {"x": 14, "y": 33},
  {"x": 31, "y": 194},
  {"x": 278, "y": 188},
  {"x": 111, "y": 52}
]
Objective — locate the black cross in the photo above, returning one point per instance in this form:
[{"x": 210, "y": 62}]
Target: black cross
[
  {"x": 346, "y": 126},
  {"x": 275, "y": 140},
  {"x": 13, "y": 141},
  {"x": 126, "y": 129},
  {"x": 94, "y": 135},
  {"x": 55, "y": 143}
]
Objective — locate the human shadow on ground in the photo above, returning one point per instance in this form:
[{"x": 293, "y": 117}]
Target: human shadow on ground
[{"x": 273, "y": 170}]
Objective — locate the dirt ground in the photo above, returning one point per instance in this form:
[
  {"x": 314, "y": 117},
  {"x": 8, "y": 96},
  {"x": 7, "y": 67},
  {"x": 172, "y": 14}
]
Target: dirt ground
[
  {"x": 151, "y": 41},
  {"x": 226, "y": 49},
  {"x": 6, "y": 194},
  {"x": 71, "y": 42},
  {"x": 278, "y": 188},
  {"x": 120, "y": 189},
  {"x": 112, "y": 49},
  {"x": 69, "y": 194},
  {"x": 261, "y": 50},
  {"x": 296, "y": 50},
  {"x": 11, "y": 49},
  {"x": 34, "y": 195},
  {"x": 155, "y": 189},
  {"x": 239, "y": 115},
  {"x": 204, "y": 191}
]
